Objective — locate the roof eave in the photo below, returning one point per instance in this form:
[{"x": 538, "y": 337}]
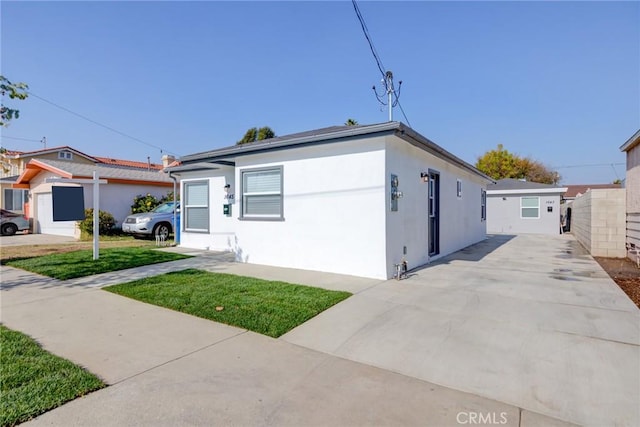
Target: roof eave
[
  {"x": 430, "y": 146},
  {"x": 558, "y": 190},
  {"x": 245, "y": 149},
  {"x": 631, "y": 142}
]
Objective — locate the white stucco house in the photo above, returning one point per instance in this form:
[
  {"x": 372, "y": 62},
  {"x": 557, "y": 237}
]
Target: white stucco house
[
  {"x": 346, "y": 199},
  {"x": 125, "y": 180},
  {"x": 515, "y": 206},
  {"x": 632, "y": 185}
]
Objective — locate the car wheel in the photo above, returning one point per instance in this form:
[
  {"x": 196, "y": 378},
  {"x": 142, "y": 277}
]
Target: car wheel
[
  {"x": 9, "y": 229},
  {"x": 162, "y": 230}
]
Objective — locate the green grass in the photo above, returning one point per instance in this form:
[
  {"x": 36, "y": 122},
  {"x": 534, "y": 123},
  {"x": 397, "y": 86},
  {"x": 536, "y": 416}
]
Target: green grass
[
  {"x": 33, "y": 381},
  {"x": 269, "y": 308},
  {"x": 70, "y": 265}
]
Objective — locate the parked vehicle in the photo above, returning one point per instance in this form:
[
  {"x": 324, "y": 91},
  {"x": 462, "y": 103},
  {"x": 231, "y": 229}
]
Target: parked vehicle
[
  {"x": 158, "y": 222},
  {"x": 11, "y": 222}
]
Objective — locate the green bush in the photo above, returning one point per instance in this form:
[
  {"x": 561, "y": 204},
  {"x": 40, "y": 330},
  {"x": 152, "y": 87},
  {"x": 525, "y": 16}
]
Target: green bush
[{"x": 106, "y": 225}]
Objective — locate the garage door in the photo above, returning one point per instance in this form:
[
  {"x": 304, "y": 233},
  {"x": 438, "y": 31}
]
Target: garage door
[{"x": 44, "y": 219}]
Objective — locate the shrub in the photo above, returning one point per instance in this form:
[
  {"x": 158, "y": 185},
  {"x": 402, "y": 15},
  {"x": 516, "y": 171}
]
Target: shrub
[
  {"x": 107, "y": 222},
  {"x": 144, "y": 203},
  {"x": 148, "y": 202}
]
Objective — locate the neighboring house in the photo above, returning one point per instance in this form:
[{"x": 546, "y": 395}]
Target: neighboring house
[
  {"x": 126, "y": 179},
  {"x": 346, "y": 199},
  {"x": 574, "y": 191},
  {"x": 515, "y": 206},
  {"x": 632, "y": 185}
]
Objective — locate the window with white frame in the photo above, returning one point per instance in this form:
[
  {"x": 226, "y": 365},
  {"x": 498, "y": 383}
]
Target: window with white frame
[
  {"x": 196, "y": 206},
  {"x": 530, "y": 207},
  {"x": 459, "y": 188},
  {"x": 483, "y": 204},
  {"x": 262, "y": 193},
  {"x": 65, "y": 155}
]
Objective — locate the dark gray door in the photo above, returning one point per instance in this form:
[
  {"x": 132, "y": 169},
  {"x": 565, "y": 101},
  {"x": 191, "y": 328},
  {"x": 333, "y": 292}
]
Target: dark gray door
[{"x": 434, "y": 213}]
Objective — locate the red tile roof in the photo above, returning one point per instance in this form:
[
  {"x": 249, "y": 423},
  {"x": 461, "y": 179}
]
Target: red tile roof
[
  {"x": 102, "y": 160},
  {"x": 129, "y": 163},
  {"x": 574, "y": 190}
]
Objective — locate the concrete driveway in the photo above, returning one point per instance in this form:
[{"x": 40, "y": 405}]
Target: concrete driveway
[{"x": 532, "y": 321}]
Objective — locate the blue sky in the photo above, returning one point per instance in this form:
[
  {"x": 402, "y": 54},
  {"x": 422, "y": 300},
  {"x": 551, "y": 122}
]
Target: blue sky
[{"x": 555, "y": 81}]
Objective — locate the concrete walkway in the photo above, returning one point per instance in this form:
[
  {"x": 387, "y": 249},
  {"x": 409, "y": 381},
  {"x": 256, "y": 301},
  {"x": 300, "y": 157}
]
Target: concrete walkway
[{"x": 506, "y": 336}]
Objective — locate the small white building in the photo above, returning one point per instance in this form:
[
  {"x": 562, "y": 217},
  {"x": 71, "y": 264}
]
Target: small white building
[
  {"x": 346, "y": 199},
  {"x": 515, "y": 206}
]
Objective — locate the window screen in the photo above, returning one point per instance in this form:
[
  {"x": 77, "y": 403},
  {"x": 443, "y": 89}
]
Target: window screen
[
  {"x": 196, "y": 206},
  {"x": 262, "y": 193}
]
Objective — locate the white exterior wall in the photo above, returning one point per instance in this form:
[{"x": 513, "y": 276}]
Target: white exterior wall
[
  {"x": 598, "y": 222},
  {"x": 334, "y": 216},
  {"x": 504, "y": 214},
  {"x": 221, "y": 236},
  {"x": 632, "y": 184},
  {"x": 460, "y": 217},
  {"x": 333, "y": 203}
]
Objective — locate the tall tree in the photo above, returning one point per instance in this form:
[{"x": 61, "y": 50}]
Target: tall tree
[
  {"x": 351, "y": 122},
  {"x": 255, "y": 134},
  {"x": 15, "y": 91},
  {"x": 500, "y": 163}
]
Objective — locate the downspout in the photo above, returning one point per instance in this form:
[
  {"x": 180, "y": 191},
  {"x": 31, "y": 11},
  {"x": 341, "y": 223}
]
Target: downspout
[{"x": 175, "y": 215}]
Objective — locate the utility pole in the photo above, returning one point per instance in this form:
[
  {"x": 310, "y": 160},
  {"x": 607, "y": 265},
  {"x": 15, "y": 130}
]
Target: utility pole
[
  {"x": 390, "y": 91},
  {"x": 44, "y": 142},
  {"x": 389, "y": 84}
]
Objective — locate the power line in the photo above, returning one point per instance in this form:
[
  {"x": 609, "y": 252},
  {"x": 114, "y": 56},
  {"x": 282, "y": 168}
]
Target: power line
[
  {"x": 21, "y": 139},
  {"x": 387, "y": 76},
  {"x": 588, "y": 166},
  {"x": 365, "y": 30},
  {"x": 162, "y": 150},
  {"x": 402, "y": 110}
]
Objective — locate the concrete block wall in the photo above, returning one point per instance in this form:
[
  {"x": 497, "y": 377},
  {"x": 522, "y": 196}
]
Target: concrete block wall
[{"x": 599, "y": 222}]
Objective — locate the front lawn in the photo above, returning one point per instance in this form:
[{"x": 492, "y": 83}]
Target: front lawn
[
  {"x": 33, "y": 381},
  {"x": 70, "y": 265},
  {"x": 266, "y": 307}
]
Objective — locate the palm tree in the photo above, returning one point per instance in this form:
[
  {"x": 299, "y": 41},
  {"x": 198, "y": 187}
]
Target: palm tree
[{"x": 351, "y": 122}]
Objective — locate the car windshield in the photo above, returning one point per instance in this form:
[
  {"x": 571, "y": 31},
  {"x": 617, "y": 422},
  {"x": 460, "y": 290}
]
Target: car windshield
[{"x": 164, "y": 208}]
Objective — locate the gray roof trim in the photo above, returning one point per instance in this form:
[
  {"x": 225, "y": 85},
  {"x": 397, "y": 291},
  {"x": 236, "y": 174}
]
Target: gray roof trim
[
  {"x": 328, "y": 135},
  {"x": 417, "y": 140},
  {"x": 303, "y": 138},
  {"x": 12, "y": 178},
  {"x": 631, "y": 142},
  {"x": 194, "y": 167},
  {"x": 516, "y": 184}
]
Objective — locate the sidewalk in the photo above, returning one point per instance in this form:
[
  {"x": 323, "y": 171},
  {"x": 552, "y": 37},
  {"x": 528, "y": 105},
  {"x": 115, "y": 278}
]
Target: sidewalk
[{"x": 169, "y": 368}]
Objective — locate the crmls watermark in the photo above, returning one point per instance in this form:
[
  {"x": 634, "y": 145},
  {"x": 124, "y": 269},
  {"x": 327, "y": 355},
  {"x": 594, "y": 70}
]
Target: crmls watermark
[{"x": 481, "y": 418}]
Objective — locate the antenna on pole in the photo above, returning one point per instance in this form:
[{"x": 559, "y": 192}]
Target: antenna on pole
[{"x": 390, "y": 92}]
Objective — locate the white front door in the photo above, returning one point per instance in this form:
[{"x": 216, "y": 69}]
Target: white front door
[{"x": 44, "y": 218}]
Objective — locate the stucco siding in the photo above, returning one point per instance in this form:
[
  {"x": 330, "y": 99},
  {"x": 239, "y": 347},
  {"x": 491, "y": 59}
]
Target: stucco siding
[
  {"x": 632, "y": 184},
  {"x": 504, "y": 214},
  {"x": 460, "y": 223},
  {"x": 222, "y": 228},
  {"x": 598, "y": 222},
  {"x": 333, "y": 210}
]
